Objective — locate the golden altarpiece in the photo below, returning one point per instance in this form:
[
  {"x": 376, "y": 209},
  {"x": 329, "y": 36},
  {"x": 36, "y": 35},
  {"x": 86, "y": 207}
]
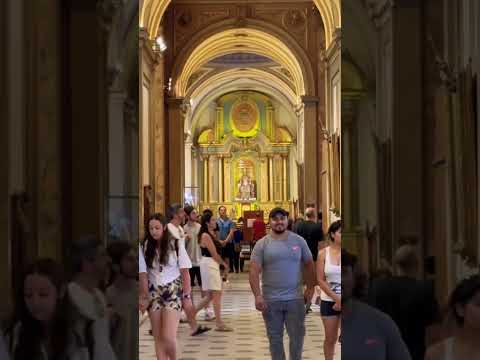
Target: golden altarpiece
[{"x": 243, "y": 158}]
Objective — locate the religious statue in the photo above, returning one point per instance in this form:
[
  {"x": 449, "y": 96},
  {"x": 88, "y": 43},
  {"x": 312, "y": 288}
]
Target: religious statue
[{"x": 246, "y": 189}]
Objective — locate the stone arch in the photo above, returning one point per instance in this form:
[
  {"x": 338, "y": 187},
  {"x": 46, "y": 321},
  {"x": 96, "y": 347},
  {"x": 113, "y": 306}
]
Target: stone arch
[
  {"x": 152, "y": 11},
  {"x": 293, "y": 56}
]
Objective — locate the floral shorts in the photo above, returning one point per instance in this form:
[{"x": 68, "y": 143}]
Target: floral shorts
[{"x": 168, "y": 296}]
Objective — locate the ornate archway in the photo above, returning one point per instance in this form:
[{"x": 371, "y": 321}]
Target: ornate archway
[
  {"x": 152, "y": 11},
  {"x": 259, "y": 38}
]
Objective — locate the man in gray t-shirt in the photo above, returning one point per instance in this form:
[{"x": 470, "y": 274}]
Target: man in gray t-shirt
[
  {"x": 284, "y": 259},
  {"x": 368, "y": 334},
  {"x": 3, "y": 348}
]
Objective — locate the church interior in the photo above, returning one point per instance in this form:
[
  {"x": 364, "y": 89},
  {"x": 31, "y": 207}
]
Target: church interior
[
  {"x": 245, "y": 99},
  {"x": 367, "y": 109}
]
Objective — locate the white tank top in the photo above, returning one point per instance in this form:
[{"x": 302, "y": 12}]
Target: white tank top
[{"x": 333, "y": 275}]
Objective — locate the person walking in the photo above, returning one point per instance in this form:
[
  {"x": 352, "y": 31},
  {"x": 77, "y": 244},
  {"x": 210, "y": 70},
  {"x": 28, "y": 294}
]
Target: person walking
[
  {"x": 329, "y": 275},
  {"x": 192, "y": 229},
  {"x": 283, "y": 259},
  {"x": 167, "y": 264},
  {"x": 312, "y": 232},
  {"x": 367, "y": 332},
  {"x": 176, "y": 217},
  {"x": 226, "y": 228},
  {"x": 210, "y": 269}
]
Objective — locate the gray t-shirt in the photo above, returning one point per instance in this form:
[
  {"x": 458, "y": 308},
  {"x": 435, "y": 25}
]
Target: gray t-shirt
[
  {"x": 282, "y": 266},
  {"x": 369, "y": 334},
  {"x": 3, "y": 349}
]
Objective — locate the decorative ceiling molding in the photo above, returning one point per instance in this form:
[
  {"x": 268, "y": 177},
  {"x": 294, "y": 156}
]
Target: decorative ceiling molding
[
  {"x": 152, "y": 12},
  {"x": 255, "y": 42}
]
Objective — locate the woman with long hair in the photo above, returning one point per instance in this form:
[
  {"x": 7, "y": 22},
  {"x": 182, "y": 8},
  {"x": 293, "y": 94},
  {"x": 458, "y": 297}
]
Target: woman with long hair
[
  {"x": 210, "y": 267},
  {"x": 329, "y": 275},
  {"x": 166, "y": 261},
  {"x": 464, "y": 309},
  {"x": 40, "y": 328}
]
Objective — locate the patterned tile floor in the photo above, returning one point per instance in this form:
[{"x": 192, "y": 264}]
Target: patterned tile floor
[{"x": 247, "y": 342}]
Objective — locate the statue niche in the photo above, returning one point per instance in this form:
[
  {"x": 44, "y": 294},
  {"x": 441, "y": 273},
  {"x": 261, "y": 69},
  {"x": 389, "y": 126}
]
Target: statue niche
[{"x": 246, "y": 189}]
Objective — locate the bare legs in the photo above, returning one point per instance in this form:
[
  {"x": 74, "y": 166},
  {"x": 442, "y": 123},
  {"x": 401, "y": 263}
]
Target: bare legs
[
  {"x": 215, "y": 296},
  {"x": 332, "y": 326},
  {"x": 164, "y": 327}
]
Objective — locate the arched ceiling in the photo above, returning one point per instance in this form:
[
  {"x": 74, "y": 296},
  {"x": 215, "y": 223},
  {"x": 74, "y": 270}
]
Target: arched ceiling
[
  {"x": 251, "y": 76},
  {"x": 235, "y": 41},
  {"x": 152, "y": 12},
  {"x": 197, "y": 122}
]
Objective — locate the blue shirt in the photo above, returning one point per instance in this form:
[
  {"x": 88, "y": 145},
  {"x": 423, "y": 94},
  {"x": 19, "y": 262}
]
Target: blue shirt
[
  {"x": 224, "y": 227},
  {"x": 282, "y": 263}
]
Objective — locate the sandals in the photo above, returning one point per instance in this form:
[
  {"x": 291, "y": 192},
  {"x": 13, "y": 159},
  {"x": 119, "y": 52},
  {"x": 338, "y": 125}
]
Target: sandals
[
  {"x": 223, "y": 328},
  {"x": 200, "y": 330}
]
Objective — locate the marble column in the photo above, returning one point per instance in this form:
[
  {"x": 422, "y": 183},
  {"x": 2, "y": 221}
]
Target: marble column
[
  {"x": 400, "y": 105},
  {"x": 227, "y": 176},
  {"x": 159, "y": 134},
  {"x": 46, "y": 152},
  {"x": 270, "y": 177},
  {"x": 220, "y": 180},
  {"x": 147, "y": 60},
  {"x": 348, "y": 164},
  {"x": 176, "y": 147},
  {"x": 188, "y": 163},
  {"x": 278, "y": 178},
  {"x": 284, "y": 178},
  {"x": 263, "y": 179},
  {"x": 219, "y": 122},
  {"x": 213, "y": 178},
  {"x": 206, "y": 198},
  {"x": 269, "y": 121},
  {"x": 311, "y": 162},
  {"x": 116, "y": 148},
  {"x": 195, "y": 182}
]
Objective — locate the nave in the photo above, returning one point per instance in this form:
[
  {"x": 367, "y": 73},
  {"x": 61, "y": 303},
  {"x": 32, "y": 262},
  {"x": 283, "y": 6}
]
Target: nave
[{"x": 248, "y": 341}]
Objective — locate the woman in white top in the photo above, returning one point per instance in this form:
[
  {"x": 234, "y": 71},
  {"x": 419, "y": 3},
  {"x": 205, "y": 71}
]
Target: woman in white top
[
  {"x": 464, "y": 306},
  {"x": 329, "y": 275},
  {"x": 167, "y": 263},
  {"x": 40, "y": 332}
]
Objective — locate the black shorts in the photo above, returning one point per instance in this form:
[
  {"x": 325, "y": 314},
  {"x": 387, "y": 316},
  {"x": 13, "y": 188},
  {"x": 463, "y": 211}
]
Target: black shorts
[
  {"x": 228, "y": 251},
  {"x": 326, "y": 309},
  {"x": 195, "y": 273}
]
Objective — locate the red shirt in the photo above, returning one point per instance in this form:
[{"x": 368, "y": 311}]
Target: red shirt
[{"x": 259, "y": 229}]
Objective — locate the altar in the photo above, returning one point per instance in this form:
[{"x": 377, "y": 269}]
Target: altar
[{"x": 244, "y": 160}]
